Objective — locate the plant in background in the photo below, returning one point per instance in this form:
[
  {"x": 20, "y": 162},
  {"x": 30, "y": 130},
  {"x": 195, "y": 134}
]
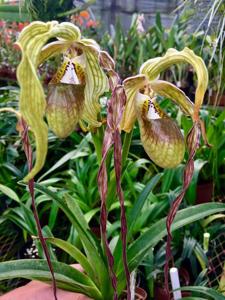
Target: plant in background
[
  {"x": 32, "y": 10},
  {"x": 210, "y": 22},
  {"x": 9, "y": 56}
]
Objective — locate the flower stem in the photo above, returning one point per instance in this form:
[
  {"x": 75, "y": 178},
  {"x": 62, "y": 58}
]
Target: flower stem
[
  {"x": 126, "y": 146},
  {"x": 28, "y": 153},
  {"x": 97, "y": 141}
]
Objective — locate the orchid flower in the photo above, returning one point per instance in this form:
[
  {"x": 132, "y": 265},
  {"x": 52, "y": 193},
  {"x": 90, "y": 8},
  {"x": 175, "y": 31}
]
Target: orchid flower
[
  {"x": 160, "y": 135},
  {"x": 74, "y": 91}
]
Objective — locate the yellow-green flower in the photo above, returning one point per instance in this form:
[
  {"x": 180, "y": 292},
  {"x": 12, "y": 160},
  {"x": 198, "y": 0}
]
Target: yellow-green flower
[
  {"x": 160, "y": 135},
  {"x": 74, "y": 91}
]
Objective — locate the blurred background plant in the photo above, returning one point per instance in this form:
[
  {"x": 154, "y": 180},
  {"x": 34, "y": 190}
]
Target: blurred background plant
[{"x": 209, "y": 22}]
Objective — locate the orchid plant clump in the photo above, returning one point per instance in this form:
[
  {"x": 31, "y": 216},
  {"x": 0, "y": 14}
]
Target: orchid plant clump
[{"x": 73, "y": 94}]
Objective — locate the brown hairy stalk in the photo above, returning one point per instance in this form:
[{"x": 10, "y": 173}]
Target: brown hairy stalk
[
  {"x": 28, "y": 153},
  {"x": 112, "y": 138}
]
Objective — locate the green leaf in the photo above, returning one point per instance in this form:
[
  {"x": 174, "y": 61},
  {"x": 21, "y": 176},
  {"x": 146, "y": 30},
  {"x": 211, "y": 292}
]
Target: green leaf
[
  {"x": 9, "y": 192},
  {"x": 76, "y": 211},
  {"x": 141, "y": 246},
  {"x": 75, "y": 253},
  {"x": 205, "y": 291},
  {"x": 191, "y": 191},
  {"x": 70, "y": 155},
  {"x": 67, "y": 277},
  {"x": 193, "y": 298},
  {"x": 158, "y": 22},
  {"x": 23, "y": 217},
  {"x": 136, "y": 210},
  {"x": 168, "y": 176},
  {"x": 92, "y": 250},
  {"x": 13, "y": 13},
  {"x": 53, "y": 215},
  {"x": 90, "y": 214},
  {"x": 47, "y": 234}
]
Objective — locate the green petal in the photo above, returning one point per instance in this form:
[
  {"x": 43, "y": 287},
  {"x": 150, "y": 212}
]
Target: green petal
[
  {"x": 168, "y": 90},
  {"x": 32, "y": 98},
  {"x": 53, "y": 49},
  {"x": 96, "y": 84},
  {"x": 153, "y": 67},
  {"x": 132, "y": 85}
]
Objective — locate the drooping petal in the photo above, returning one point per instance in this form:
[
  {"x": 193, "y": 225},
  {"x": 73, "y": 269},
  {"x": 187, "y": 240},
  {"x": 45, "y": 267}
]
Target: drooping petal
[
  {"x": 96, "y": 83},
  {"x": 132, "y": 85},
  {"x": 153, "y": 67},
  {"x": 32, "y": 98},
  {"x": 160, "y": 135},
  {"x": 168, "y": 90}
]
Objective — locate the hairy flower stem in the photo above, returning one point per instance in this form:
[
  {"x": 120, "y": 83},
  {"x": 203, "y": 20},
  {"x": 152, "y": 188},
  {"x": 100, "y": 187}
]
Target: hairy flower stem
[
  {"x": 97, "y": 141},
  {"x": 102, "y": 184},
  {"x": 126, "y": 146},
  {"x": 112, "y": 138},
  {"x": 193, "y": 144},
  {"x": 28, "y": 153},
  {"x": 118, "y": 168}
]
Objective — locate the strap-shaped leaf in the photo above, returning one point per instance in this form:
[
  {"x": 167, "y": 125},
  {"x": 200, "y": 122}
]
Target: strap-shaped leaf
[
  {"x": 67, "y": 277},
  {"x": 91, "y": 246},
  {"x": 153, "y": 67},
  {"x": 76, "y": 254},
  {"x": 140, "y": 247}
]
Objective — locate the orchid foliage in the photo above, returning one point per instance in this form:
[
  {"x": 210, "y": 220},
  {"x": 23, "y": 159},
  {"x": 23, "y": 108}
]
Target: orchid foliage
[{"x": 72, "y": 97}]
